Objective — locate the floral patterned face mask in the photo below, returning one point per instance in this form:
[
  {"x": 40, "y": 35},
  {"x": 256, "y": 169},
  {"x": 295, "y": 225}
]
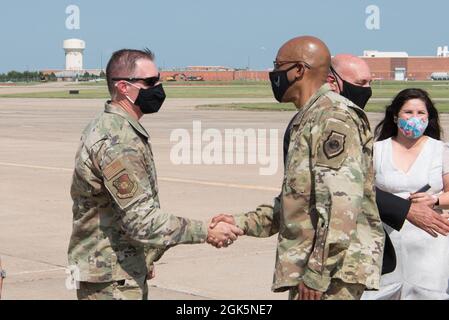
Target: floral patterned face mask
[{"x": 412, "y": 128}]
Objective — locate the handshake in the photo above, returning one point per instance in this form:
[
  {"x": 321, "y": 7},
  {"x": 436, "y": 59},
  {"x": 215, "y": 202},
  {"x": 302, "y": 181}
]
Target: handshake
[{"x": 222, "y": 231}]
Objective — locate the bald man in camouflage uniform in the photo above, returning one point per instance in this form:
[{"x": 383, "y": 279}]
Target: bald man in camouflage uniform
[
  {"x": 119, "y": 229},
  {"x": 331, "y": 239}
]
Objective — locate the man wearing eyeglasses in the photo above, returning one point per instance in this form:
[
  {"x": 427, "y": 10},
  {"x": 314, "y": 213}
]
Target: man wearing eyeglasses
[
  {"x": 331, "y": 239},
  {"x": 119, "y": 229}
]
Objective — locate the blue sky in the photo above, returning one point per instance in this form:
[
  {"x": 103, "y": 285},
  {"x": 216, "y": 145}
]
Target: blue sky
[{"x": 211, "y": 32}]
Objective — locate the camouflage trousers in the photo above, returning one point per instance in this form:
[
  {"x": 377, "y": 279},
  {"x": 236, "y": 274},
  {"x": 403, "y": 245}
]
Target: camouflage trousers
[
  {"x": 338, "y": 290},
  {"x": 129, "y": 289}
]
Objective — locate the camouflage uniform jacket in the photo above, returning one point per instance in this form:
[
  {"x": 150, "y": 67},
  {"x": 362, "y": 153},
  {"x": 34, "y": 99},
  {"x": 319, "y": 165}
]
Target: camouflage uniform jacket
[
  {"x": 326, "y": 216},
  {"x": 119, "y": 229}
]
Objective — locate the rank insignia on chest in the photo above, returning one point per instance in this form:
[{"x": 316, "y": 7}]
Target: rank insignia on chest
[
  {"x": 334, "y": 145},
  {"x": 126, "y": 188}
]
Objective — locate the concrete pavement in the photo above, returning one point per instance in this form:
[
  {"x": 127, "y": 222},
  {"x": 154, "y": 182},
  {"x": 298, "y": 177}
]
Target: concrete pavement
[{"x": 39, "y": 138}]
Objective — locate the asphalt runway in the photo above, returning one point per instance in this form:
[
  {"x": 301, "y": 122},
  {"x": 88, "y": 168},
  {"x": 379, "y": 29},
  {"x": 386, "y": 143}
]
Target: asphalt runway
[{"x": 39, "y": 138}]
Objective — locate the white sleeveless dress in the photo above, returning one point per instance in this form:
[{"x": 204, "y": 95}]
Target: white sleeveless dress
[{"x": 422, "y": 270}]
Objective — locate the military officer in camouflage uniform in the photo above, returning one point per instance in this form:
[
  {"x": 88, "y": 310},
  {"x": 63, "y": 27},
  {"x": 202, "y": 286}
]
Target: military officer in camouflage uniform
[
  {"x": 119, "y": 229},
  {"x": 331, "y": 240}
]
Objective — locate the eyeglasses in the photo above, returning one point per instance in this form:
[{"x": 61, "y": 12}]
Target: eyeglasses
[
  {"x": 278, "y": 64},
  {"x": 151, "y": 81}
]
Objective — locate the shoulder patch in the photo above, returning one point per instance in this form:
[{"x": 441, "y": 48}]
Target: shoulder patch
[
  {"x": 333, "y": 142},
  {"x": 334, "y": 145},
  {"x": 113, "y": 169},
  {"x": 125, "y": 186},
  {"x": 126, "y": 177}
]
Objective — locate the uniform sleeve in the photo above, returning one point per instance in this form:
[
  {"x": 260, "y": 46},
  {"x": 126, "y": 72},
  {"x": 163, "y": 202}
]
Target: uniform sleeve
[
  {"x": 446, "y": 159},
  {"x": 153, "y": 255},
  {"x": 262, "y": 222},
  {"x": 339, "y": 189},
  {"x": 129, "y": 183}
]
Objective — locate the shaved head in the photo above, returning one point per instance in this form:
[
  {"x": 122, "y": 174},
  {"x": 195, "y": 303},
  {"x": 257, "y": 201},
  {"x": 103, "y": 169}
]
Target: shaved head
[
  {"x": 351, "y": 78},
  {"x": 308, "y": 49},
  {"x": 306, "y": 60},
  {"x": 352, "y": 69}
]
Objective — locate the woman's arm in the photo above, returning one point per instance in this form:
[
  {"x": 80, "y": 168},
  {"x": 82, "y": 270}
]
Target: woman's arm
[{"x": 443, "y": 199}]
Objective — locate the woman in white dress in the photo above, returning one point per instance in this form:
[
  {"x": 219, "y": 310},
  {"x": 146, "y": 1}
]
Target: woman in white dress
[{"x": 408, "y": 156}]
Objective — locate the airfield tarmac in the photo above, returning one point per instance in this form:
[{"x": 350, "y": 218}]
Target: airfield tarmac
[{"x": 39, "y": 138}]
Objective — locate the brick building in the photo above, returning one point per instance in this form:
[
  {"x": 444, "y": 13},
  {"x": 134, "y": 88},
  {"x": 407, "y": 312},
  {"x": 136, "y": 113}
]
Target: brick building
[
  {"x": 411, "y": 68},
  {"x": 228, "y": 75},
  {"x": 397, "y": 66}
]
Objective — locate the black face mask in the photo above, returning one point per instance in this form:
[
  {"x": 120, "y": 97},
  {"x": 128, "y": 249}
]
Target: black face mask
[
  {"x": 150, "y": 100},
  {"x": 357, "y": 94},
  {"x": 280, "y": 83}
]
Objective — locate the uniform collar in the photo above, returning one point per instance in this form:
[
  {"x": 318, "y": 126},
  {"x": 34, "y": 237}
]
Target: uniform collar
[
  {"x": 325, "y": 88},
  {"x": 110, "y": 108}
]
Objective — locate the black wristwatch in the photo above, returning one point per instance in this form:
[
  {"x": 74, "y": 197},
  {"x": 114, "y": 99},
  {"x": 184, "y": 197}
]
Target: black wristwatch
[{"x": 2, "y": 274}]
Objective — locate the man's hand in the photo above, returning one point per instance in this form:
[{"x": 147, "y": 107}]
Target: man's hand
[
  {"x": 151, "y": 273},
  {"x": 223, "y": 234},
  {"x": 226, "y": 218},
  {"x": 306, "y": 293},
  {"x": 423, "y": 198},
  {"x": 422, "y": 216},
  {"x": 222, "y": 218}
]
